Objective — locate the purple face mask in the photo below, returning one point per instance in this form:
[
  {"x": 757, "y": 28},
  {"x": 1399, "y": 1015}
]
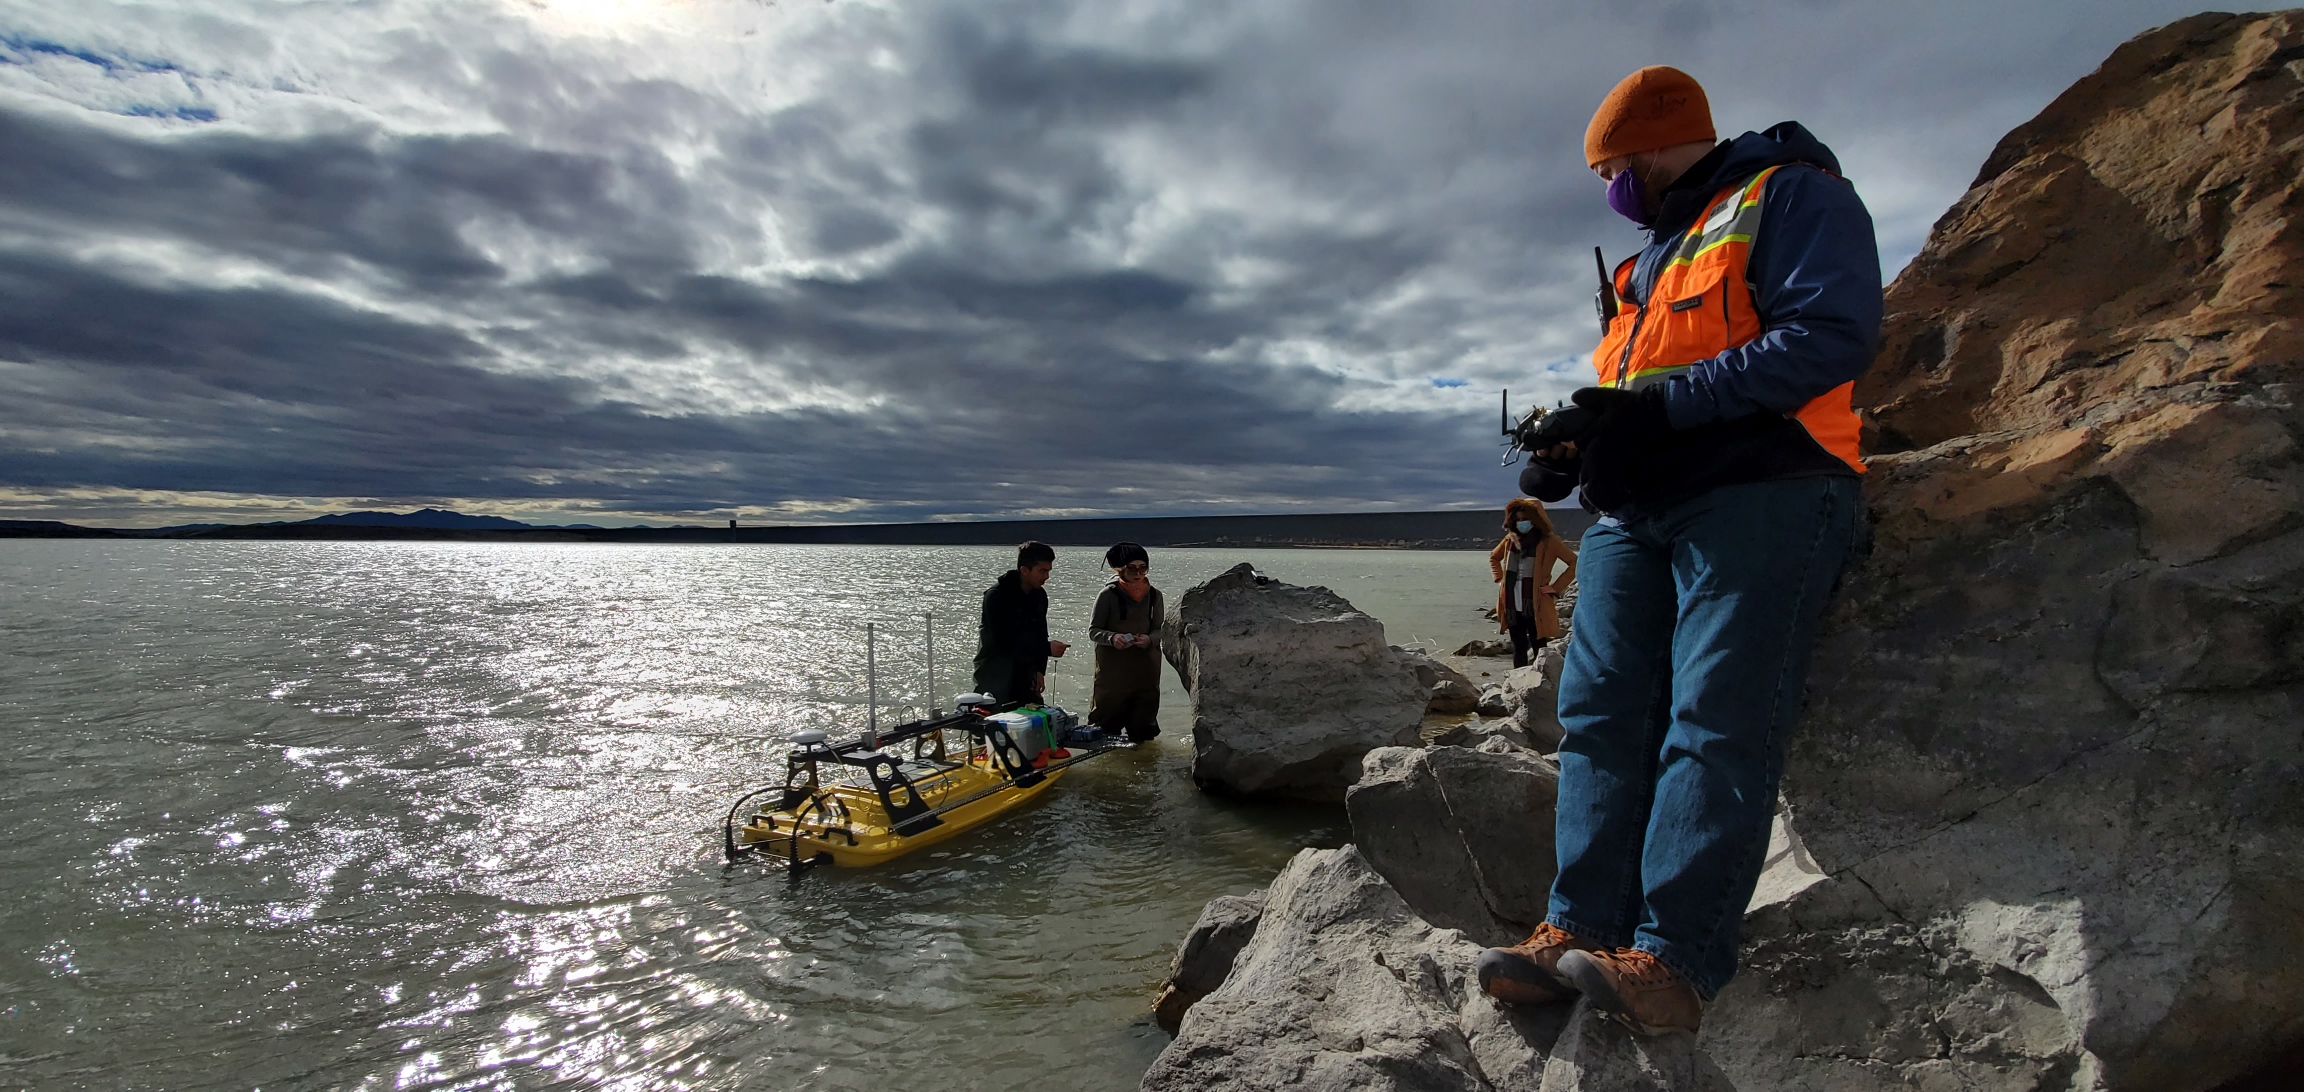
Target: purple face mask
[{"x": 1628, "y": 197}]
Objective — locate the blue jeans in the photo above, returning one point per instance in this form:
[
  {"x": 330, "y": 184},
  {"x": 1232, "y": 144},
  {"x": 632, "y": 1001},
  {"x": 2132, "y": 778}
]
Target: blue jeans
[{"x": 1684, "y": 676}]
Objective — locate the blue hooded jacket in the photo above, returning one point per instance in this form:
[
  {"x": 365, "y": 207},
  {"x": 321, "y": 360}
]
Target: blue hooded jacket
[{"x": 1815, "y": 275}]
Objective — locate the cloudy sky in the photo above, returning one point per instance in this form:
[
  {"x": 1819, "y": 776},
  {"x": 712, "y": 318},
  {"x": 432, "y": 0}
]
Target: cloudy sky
[{"x": 663, "y": 260}]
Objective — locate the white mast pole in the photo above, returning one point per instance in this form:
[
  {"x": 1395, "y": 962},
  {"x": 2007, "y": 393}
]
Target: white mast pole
[{"x": 871, "y": 688}]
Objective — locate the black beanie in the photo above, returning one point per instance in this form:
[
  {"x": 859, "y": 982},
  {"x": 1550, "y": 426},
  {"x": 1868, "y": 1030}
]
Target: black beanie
[{"x": 1122, "y": 553}]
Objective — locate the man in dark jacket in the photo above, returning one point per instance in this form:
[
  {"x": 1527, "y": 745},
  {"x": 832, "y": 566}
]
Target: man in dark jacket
[
  {"x": 1012, "y": 645},
  {"x": 1718, "y": 445}
]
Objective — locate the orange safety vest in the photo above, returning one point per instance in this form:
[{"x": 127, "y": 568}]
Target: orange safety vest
[{"x": 1707, "y": 309}]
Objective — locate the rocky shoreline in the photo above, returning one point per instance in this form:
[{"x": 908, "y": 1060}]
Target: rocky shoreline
[{"x": 2043, "y": 825}]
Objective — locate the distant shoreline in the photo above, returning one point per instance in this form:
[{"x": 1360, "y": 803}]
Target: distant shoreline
[{"x": 1447, "y": 530}]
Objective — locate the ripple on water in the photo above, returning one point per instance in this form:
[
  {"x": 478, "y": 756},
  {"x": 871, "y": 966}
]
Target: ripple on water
[{"x": 398, "y": 815}]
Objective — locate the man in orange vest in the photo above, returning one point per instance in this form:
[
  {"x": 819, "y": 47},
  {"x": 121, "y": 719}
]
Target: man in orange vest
[{"x": 1718, "y": 445}]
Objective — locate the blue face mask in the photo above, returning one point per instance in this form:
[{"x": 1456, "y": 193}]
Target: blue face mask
[
  {"x": 1628, "y": 197},
  {"x": 1526, "y": 526}
]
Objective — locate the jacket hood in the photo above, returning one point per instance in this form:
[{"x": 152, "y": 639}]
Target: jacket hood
[
  {"x": 1012, "y": 580},
  {"x": 1735, "y": 161}
]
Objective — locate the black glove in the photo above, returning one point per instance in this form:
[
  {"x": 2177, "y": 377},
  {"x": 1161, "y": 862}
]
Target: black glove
[
  {"x": 1614, "y": 408},
  {"x": 1594, "y": 409},
  {"x": 1549, "y": 480},
  {"x": 1617, "y": 454},
  {"x": 1565, "y": 425}
]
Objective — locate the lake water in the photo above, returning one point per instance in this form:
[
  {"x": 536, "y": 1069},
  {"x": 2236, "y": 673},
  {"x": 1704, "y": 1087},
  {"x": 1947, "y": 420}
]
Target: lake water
[{"x": 445, "y": 815}]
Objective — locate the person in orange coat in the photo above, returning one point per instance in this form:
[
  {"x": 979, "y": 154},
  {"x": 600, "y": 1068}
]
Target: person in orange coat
[
  {"x": 1719, "y": 447},
  {"x": 1526, "y": 591}
]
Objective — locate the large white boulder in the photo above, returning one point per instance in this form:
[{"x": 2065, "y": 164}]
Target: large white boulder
[
  {"x": 1290, "y": 686},
  {"x": 1343, "y": 987},
  {"x": 1464, "y": 835}
]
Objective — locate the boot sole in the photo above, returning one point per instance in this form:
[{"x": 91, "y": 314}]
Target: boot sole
[
  {"x": 1596, "y": 987},
  {"x": 1513, "y": 989}
]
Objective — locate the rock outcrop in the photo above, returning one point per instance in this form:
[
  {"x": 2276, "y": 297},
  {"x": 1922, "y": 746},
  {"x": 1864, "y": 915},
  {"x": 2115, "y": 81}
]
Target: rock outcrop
[
  {"x": 1837, "y": 993},
  {"x": 1226, "y": 925},
  {"x": 2055, "y": 731},
  {"x": 1344, "y": 988},
  {"x": 1290, "y": 686},
  {"x": 1343, "y": 985},
  {"x": 1464, "y": 836},
  {"x": 1596, "y": 1054}
]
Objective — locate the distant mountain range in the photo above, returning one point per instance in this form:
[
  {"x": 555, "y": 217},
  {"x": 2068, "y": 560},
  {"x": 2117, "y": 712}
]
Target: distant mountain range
[
  {"x": 339, "y": 525},
  {"x": 439, "y": 518}
]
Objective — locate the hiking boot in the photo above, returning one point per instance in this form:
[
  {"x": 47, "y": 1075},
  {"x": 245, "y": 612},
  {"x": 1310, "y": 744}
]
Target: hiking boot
[
  {"x": 1527, "y": 973},
  {"x": 1636, "y": 988}
]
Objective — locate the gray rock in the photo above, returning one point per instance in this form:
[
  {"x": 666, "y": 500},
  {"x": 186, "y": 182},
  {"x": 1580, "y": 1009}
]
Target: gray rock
[
  {"x": 1485, "y": 648},
  {"x": 1788, "y": 869},
  {"x": 1512, "y": 1044},
  {"x": 1206, "y": 956},
  {"x": 1596, "y": 1054},
  {"x": 1523, "y": 683},
  {"x": 2057, "y": 828},
  {"x": 1289, "y": 686},
  {"x": 2055, "y": 727},
  {"x": 1344, "y": 988},
  {"x": 1454, "y": 696},
  {"x": 1476, "y": 731},
  {"x": 1464, "y": 835},
  {"x": 1493, "y": 703},
  {"x": 1532, "y": 697},
  {"x": 1428, "y": 671},
  {"x": 1342, "y": 985},
  {"x": 1451, "y": 693},
  {"x": 1837, "y": 995}
]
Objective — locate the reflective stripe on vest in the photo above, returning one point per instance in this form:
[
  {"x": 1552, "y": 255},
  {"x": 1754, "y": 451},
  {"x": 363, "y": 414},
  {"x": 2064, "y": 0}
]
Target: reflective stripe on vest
[{"x": 1702, "y": 306}]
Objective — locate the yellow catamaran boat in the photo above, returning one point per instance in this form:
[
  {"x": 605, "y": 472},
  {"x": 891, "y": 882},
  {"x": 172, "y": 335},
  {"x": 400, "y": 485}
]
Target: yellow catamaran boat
[
  {"x": 866, "y": 801},
  {"x": 886, "y": 793}
]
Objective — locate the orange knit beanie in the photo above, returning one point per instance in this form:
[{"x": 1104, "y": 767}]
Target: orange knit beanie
[{"x": 1656, "y": 107}]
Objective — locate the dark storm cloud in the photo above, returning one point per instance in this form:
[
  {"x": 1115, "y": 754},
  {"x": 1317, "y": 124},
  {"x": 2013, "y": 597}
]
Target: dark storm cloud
[
  {"x": 1035, "y": 84},
  {"x": 941, "y": 259},
  {"x": 228, "y": 377},
  {"x": 314, "y": 203}
]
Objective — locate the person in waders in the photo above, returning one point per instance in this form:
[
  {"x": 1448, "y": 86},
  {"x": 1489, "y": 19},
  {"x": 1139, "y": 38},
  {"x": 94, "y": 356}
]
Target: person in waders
[
  {"x": 1126, "y": 629},
  {"x": 1527, "y": 595},
  {"x": 1012, "y": 645},
  {"x": 1719, "y": 448}
]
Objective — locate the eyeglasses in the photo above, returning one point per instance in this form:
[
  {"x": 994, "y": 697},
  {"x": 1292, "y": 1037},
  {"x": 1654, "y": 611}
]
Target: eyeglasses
[{"x": 1136, "y": 568}]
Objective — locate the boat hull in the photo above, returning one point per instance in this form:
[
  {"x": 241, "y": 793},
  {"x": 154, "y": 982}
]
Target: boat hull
[{"x": 875, "y": 841}]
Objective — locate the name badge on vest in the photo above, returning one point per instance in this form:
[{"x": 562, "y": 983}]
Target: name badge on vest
[{"x": 1720, "y": 216}]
